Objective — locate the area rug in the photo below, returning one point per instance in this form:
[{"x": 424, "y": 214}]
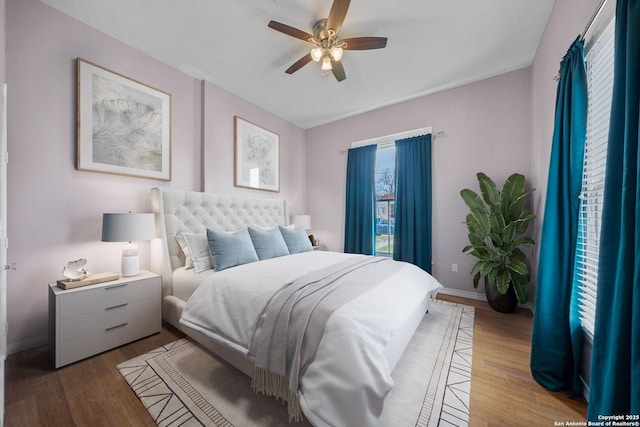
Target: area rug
[{"x": 181, "y": 384}]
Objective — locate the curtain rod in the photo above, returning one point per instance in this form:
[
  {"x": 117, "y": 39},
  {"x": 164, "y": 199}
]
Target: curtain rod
[
  {"x": 389, "y": 140},
  {"x": 599, "y": 9},
  {"x": 381, "y": 140},
  {"x": 593, "y": 19}
]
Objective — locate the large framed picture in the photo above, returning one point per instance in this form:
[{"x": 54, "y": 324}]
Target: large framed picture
[
  {"x": 124, "y": 126},
  {"x": 257, "y": 152}
]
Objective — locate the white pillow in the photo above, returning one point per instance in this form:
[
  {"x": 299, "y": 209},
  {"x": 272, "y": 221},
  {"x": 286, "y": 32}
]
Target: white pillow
[
  {"x": 188, "y": 261},
  {"x": 198, "y": 248}
]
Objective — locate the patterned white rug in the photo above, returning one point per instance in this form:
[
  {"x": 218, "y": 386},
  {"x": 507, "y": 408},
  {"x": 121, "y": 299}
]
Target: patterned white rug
[{"x": 181, "y": 384}]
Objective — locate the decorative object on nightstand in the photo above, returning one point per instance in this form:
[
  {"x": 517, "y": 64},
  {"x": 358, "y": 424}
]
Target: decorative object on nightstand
[
  {"x": 89, "y": 280},
  {"x": 128, "y": 227},
  {"x": 76, "y": 270},
  {"x": 91, "y": 319}
]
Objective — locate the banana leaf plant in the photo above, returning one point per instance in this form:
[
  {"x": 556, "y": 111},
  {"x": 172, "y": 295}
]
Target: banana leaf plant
[{"x": 496, "y": 224}]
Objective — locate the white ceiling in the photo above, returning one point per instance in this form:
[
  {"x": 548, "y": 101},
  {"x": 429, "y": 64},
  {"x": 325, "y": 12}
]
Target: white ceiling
[{"x": 432, "y": 45}]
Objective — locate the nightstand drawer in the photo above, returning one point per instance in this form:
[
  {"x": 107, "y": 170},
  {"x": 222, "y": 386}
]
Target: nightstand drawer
[
  {"x": 91, "y": 300},
  {"x": 88, "y": 345},
  {"x": 97, "y": 321}
]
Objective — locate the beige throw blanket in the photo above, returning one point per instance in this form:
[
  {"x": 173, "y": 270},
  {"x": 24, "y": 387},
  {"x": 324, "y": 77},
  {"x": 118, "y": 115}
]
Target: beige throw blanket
[{"x": 295, "y": 320}]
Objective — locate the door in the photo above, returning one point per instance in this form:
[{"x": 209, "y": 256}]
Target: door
[{"x": 3, "y": 243}]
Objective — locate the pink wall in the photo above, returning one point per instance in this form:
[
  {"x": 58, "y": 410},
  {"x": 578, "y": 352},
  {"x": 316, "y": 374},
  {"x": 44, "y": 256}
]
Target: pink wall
[
  {"x": 220, "y": 107},
  {"x": 498, "y": 126},
  {"x": 55, "y": 211},
  {"x": 487, "y": 126},
  {"x": 567, "y": 20},
  {"x": 507, "y": 117}
]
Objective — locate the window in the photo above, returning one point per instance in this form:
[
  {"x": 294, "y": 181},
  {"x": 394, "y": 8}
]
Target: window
[
  {"x": 385, "y": 186},
  {"x": 599, "y": 60},
  {"x": 385, "y": 198}
]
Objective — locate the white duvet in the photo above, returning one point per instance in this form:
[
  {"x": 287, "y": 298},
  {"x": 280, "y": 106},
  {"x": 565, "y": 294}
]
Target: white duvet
[{"x": 347, "y": 381}]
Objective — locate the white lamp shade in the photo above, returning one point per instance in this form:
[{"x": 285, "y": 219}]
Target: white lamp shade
[
  {"x": 316, "y": 54},
  {"x": 326, "y": 63},
  {"x": 302, "y": 221},
  {"x": 128, "y": 227}
]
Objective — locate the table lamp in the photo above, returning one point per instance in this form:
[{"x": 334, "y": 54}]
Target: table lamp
[
  {"x": 128, "y": 227},
  {"x": 302, "y": 221}
]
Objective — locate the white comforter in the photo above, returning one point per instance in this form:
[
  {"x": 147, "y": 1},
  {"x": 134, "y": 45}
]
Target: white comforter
[{"x": 347, "y": 382}]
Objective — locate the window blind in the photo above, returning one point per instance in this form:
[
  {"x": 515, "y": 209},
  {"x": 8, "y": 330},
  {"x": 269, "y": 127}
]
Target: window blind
[{"x": 599, "y": 61}]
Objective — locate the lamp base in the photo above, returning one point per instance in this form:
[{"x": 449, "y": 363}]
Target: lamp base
[{"x": 130, "y": 261}]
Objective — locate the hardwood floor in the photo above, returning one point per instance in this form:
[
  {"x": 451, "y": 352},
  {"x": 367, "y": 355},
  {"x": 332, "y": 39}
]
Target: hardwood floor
[
  {"x": 92, "y": 392},
  {"x": 87, "y": 393},
  {"x": 503, "y": 392}
]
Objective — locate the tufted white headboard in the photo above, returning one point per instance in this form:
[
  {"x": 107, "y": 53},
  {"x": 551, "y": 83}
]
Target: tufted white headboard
[{"x": 194, "y": 212}]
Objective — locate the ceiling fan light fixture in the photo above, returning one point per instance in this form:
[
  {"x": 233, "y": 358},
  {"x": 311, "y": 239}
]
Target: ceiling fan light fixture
[
  {"x": 327, "y": 49},
  {"x": 316, "y": 53},
  {"x": 336, "y": 53},
  {"x": 326, "y": 63}
]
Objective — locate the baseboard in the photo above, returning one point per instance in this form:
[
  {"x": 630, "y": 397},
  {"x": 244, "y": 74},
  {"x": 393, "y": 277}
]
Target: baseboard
[
  {"x": 464, "y": 294},
  {"x": 27, "y": 344},
  {"x": 475, "y": 295}
]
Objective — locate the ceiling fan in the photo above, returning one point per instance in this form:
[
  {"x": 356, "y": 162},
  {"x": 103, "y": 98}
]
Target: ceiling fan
[{"x": 328, "y": 49}]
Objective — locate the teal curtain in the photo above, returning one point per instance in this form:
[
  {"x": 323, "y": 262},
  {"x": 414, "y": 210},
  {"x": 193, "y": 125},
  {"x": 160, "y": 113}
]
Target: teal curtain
[
  {"x": 359, "y": 233},
  {"x": 556, "y": 336},
  {"x": 412, "y": 237},
  {"x": 615, "y": 365}
]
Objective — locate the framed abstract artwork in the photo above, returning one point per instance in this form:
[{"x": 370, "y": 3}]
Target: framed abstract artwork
[
  {"x": 123, "y": 126},
  {"x": 257, "y": 157}
]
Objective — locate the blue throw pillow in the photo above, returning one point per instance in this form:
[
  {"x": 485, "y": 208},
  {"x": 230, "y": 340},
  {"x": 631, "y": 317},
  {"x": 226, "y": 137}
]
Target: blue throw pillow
[
  {"x": 230, "y": 249},
  {"x": 296, "y": 240},
  {"x": 268, "y": 243}
]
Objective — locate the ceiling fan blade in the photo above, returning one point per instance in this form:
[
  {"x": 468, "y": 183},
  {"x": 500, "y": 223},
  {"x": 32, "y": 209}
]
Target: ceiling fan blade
[
  {"x": 299, "y": 64},
  {"x": 337, "y": 14},
  {"x": 290, "y": 31},
  {"x": 365, "y": 43},
  {"x": 338, "y": 70}
]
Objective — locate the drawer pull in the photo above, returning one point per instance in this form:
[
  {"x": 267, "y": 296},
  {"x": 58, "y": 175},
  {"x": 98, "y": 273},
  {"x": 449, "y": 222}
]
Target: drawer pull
[
  {"x": 115, "y": 286},
  {"x": 116, "y": 306},
  {"x": 116, "y": 327}
]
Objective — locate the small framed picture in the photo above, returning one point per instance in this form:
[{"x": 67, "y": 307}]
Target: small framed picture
[
  {"x": 124, "y": 126},
  {"x": 257, "y": 157}
]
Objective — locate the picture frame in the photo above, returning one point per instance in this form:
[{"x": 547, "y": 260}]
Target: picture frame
[
  {"x": 123, "y": 126},
  {"x": 257, "y": 156}
]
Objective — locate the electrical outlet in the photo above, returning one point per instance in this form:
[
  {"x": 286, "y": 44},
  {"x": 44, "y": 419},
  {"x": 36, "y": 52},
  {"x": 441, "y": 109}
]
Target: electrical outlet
[{"x": 454, "y": 268}]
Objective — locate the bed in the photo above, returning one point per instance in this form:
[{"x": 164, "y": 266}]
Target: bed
[{"x": 347, "y": 375}]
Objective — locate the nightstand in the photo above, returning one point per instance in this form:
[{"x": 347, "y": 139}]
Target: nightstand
[{"x": 91, "y": 319}]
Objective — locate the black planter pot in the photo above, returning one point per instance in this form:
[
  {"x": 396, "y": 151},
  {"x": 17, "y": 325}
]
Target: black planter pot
[{"x": 503, "y": 303}]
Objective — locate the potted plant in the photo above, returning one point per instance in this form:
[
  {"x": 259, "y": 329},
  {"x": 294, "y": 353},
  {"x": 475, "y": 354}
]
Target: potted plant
[{"x": 496, "y": 224}]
